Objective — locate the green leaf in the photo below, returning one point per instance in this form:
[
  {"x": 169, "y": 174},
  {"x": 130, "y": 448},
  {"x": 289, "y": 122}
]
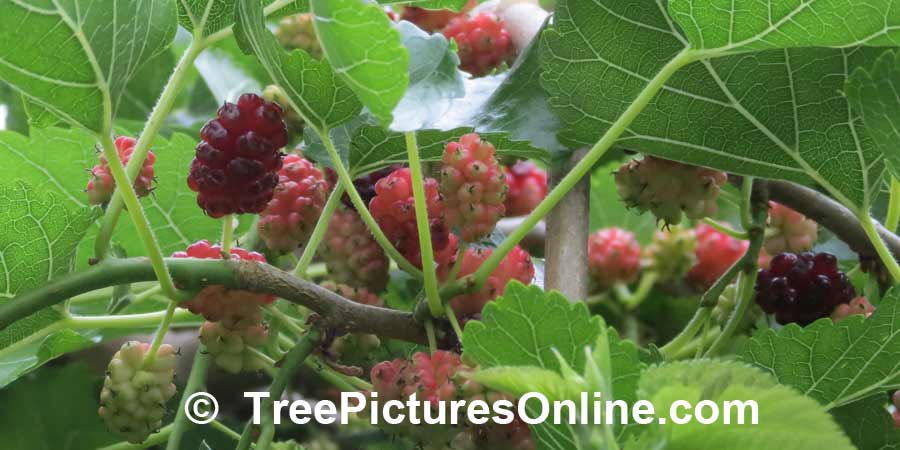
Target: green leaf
[
  {"x": 172, "y": 208},
  {"x": 312, "y": 86},
  {"x": 786, "y": 418},
  {"x": 750, "y": 25},
  {"x": 869, "y": 424},
  {"x": 524, "y": 328},
  {"x": 875, "y": 96},
  {"x": 211, "y": 16},
  {"x": 434, "y": 79},
  {"x": 365, "y": 50},
  {"x": 74, "y": 58},
  {"x": 835, "y": 363},
  {"x": 373, "y": 147},
  {"x": 55, "y": 409},
  {"x": 774, "y": 114},
  {"x": 39, "y": 233},
  {"x": 518, "y": 381},
  {"x": 139, "y": 97},
  {"x": 16, "y": 118}
]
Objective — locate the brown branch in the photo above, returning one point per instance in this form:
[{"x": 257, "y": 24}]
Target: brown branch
[{"x": 193, "y": 274}]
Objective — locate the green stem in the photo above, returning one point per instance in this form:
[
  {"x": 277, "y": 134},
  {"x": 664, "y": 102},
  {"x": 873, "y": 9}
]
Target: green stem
[
  {"x": 887, "y": 258},
  {"x": 227, "y": 235},
  {"x": 289, "y": 366},
  {"x": 423, "y": 225},
  {"x": 154, "y": 123},
  {"x": 746, "y": 283},
  {"x": 687, "y": 334},
  {"x": 160, "y": 334},
  {"x": 451, "y": 317},
  {"x": 195, "y": 383},
  {"x": 285, "y": 320},
  {"x": 261, "y": 356},
  {"x": 157, "y": 438},
  {"x": 225, "y": 430},
  {"x": 893, "y": 216},
  {"x": 633, "y": 300},
  {"x": 125, "y": 321},
  {"x": 362, "y": 208},
  {"x": 457, "y": 265},
  {"x": 432, "y": 339},
  {"x": 583, "y": 167},
  {"x": 317, "y": 270},
  {"x": 721, "y": 227},
  {"x": 319, "y": 231},
  {"x": 337, "y": 379},
  {"x": 746, "y": 201}
]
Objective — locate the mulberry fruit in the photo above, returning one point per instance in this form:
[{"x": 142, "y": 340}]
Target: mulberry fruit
[
  {"x": 394, "y": 210},
  {"x": 517, "y": 265},
  {"x": 432, "y": 20},
  {"x": 668, "y": 188},
  {"x": 133, "y": 399},
  {"x": 235, "y": 308},
  {"x": 235, "y": 170},
  {"x": 101, "y": 185},
  {"x": 527, "y": 187},
  {"x": 292, "y": 120},
  {"x": 473, "y": 186},
  {"x": 790, "y": 231},
  {"x": 671, "y": 254},
  {"x": 614, "y": 256},
  {"x": 352, "y": 255},
  {"x": 802, "y": 288},
  {"x": 483, "y": 41},
  {"x": 229, "y": 348},
  {"x": 716, "y": 252},
  {"x": 857, "y": 306},
  {"x": 297, "y": 32},
  {"x": 299, "y": 198},
  {"x": 365, "y": 185}
]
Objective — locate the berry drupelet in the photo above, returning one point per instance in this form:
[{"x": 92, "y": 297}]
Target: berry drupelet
[
  {"x": 802, "y": 288},
  {"x": 235, "y": 169}
]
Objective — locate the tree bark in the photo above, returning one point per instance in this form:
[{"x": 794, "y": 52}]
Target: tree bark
[{"x": 565, "y": 248}]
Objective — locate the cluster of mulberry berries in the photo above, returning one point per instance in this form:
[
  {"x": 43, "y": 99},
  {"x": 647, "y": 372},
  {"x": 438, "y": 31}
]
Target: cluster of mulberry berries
[
  {"x": 669, "y": 188},
  {"x": 133, "y": 399},
  {"x": 802, "y": 288},
  {"x": 483, "y": 41},
  {"x": 527, "y": 187},
  {"x": 614, "y": 256},
  {"x": 101, "y": 184},
  {"x": 516, "y": 265},
  {"x": 716, "y": 252},
  {"x": 235, "y": 169},
  {"x": 352, "y": 255},
  {"x": 296, "y": 205},
  {"x": 473, "y": 186},
  {"x": 394, "y": 209},
  {"x": 234, "y": 317},
  {"x": 441, "y": 376}
]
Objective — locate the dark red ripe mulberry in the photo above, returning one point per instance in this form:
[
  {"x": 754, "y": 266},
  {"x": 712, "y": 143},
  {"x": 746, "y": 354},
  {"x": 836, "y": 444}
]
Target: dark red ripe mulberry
[
  {"x": 802, "y": 288},
  {"x": 235, "y": 169},
  {"x": 483, "y": 41}
]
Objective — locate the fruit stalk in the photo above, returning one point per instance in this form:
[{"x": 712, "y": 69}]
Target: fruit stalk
[
  {"x": 868, "y": 224},
  {"x": 141, "y": 224},
  {"x": 289, "y": 366},
  {"x": 422, "y": 224},
  {"x": 319, "y": 231},
  {"x": 195, "y": 382},
  {"x": 151, "y": 129}
]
